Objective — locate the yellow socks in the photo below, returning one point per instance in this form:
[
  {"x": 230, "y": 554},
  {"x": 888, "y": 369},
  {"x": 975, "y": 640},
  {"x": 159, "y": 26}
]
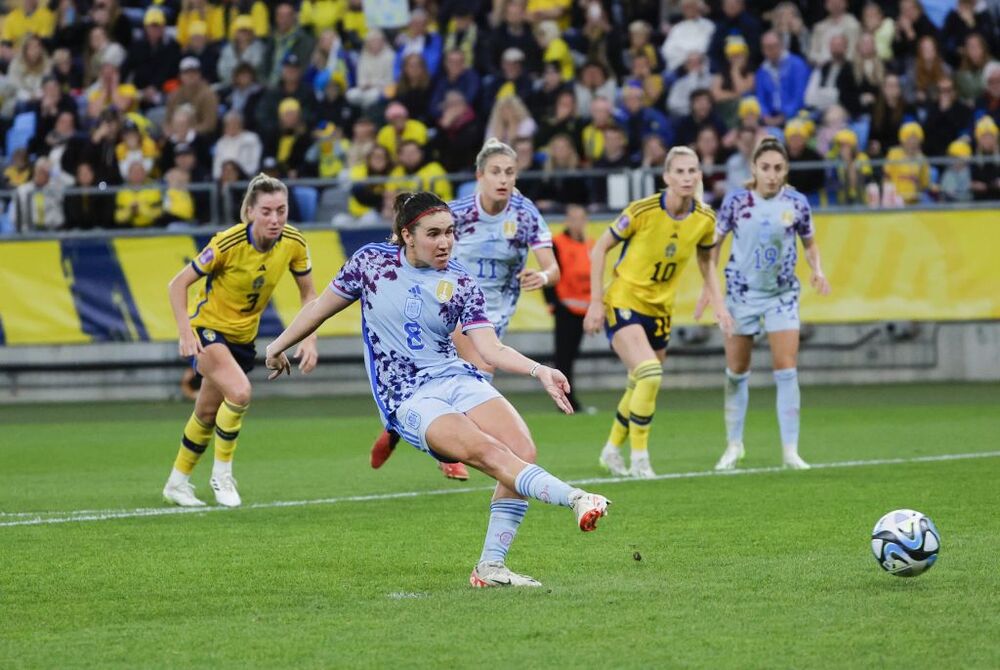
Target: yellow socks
[
  {"x": 642, "y": 404},
  {"x": 194, "y": 441},
  {"x": 228, "y": 422},
  {"x": 619, "y": 428}
]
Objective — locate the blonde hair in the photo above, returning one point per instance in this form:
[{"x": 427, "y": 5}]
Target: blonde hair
[
  {"x": 699, "y": 189},
  {"x": 258, "y": 185},
  {"x": 493, "y": 147}
]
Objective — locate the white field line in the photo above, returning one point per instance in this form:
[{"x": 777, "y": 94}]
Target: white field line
[{"x": 42, "y": 518}]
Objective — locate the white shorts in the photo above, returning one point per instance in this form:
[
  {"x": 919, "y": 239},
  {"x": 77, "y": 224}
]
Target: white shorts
[
  {"x": 446, "y": 395},
  {"x": 778, "y": 312}
]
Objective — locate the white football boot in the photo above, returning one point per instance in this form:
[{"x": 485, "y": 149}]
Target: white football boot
[
  {"x": 612, "y": 461},
  {"x": 641, "y": 467},
  {"x": 225, "y": 491},
  {"x": 731, "y": 456},
  {"x": 495, "y": 573},
  {"x": 181, "y": 493},
  {"x": 589, "y": 507},
  {"x": 792, "y": 459}
]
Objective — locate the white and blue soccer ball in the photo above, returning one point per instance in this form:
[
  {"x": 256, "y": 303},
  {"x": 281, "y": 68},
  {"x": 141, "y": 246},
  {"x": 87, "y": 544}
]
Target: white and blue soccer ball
[{"x": 905, "y": 543}]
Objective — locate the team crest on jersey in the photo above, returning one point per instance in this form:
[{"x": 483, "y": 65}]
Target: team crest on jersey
[
  {"x": 622, "y": 223},
  {"x": 445, "y": 289},
  {"x": 671, "y": 250},
  {"x": 412, "y": 308},
  {"x": 208, "y": 334},
  {"x": 625, "y": 314},
  {"x": 207, "y": 256},
  {"x": 787, "y": 218},
  {"x": 412, "y": 420},
  {"x": 509, "y": 228},
  {"x": 258, "y": 282}
]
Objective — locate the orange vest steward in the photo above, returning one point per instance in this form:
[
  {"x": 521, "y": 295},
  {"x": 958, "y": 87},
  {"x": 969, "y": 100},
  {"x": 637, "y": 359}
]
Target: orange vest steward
[{"x": 573, "y": 289}]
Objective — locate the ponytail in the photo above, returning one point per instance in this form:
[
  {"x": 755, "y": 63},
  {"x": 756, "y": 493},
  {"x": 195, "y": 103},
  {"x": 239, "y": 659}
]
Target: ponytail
[{"x": 259, "y": 184}]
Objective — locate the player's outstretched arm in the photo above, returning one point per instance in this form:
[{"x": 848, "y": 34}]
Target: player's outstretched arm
[
  {"x": 306, "y": 354},
  {"x": 305, "y": 323},
  {"x": 594, "y": 318},
  {"x": 818, "y": 279},
  {"x": 177, "y": 289},
  {"x": 711, "y": 290},
  {"x": 497, "y": 354}
]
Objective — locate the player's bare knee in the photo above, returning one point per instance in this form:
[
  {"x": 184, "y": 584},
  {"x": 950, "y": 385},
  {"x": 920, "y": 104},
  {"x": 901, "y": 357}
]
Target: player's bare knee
[
  {"x": 524, "y": 448},
  {"x": 240, "y": 394},
  {"x": 206, "y": 415}
]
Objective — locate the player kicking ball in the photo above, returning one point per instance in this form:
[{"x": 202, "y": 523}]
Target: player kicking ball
[{"x": 413, "y": 296}]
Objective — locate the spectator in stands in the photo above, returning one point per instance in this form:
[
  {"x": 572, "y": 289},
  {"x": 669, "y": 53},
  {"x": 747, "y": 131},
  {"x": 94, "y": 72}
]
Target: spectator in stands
[
  {"x": 989, "y": 101},
  {"x": 734, "y": 82},
  {"x": 788, "y": 24},
  {"x": 613, "y": 158},
  {"x": 417, "y": 38},
  {"x": 695, "y": 76},
  {"x": 236, "y": 144},
  {"x": 702, "y": 114},
  {"x": 593, "y": 82},
  {"x": 134, "y": 146},
  {"x": 54, "y": 143},
  {"x": 455, "y": 76},
  {"x": 557, "y": 11},
  {"x": 808, "y": 181},
  {"x": 290, "y": 85},
  {"x": 331, "y": 103},
  {"x": 554, "y": 49},
  {"x": 366, "y": 201},
  {"x": 288, "y": 39},
  {"x": 509, "y": 120},
  {"x": 290, "y": 143},
  {"x": 353, "y": 25},
  {"x": 327, "y": 156},
  {"x": 194, "y": 91},
  {"x": 180, "y": 130},
  {"x": 690, "y": 35},
  {"x": 463, "y": 35},
  {"x": 51, "y": 104},
  {"x": 559, "y": 186},
  {"x": 530, "y": 186},
  {"x": 375, "y": 71},
  {"x": 654, "y": 152},
  {"x": 833, "y": 82},
  {"x": 100, "y": 49},
  {"x": 640, "y": 41},
  {"x": 925, "y": 71},
  {"x": 400, "y": 127},
  {"x": 592, "y": 137},
  {"x": 230, "y": 190},
  {"x": 321, "y": 15},
  {"x": 513, "y": 32},
  {"x": 738, "y": 164},
  {"x": 207, "y": 53},
  {"x": 40, "y": 201},
  {"x": 140, "y": 204},
  {"x": 748, "y": 113},
  {"x": 986, "y": 164},
  {"x": 87, "y": 207},
  {"x": 211, "y": 16},
  {"x": 734, "y": 20},
  {"x": 546, "y": 90},
  {"x": 362, "y": 141},
  {"x": 639, "y": 120},
  {"x": 178, "y": 205},
  {"x": 889, "y": 113},
  {"x": 152, "y": 60},
  {"x": 869, "y": 73},
  {"x": 459, "y": 134},
  {"x": 32, "y": 17},
  {"x": 963, "y": 20},
  {"x": 564, "y": 120},
  {"x": 243, "y": 95},
  {"x": 600, "y": 41},
  {"x": 244, "y": 47},
  {"x": 417, "y": 174},
  {"x": 27, "y": 70},
  {"x": 908, "y": 173},
  {"x": 18, "y": 170},
  {"x": 838, "y": 22},
  {"x": 66, "y": 70},
  {"x": 948, "y": 116},
  {"x": 956, "y": 179},
  {"x": 709, "y": 149},
  {"x": 852, "y": 175},
  {"x": 881, "y": 27},
  {"x": 99, "y": 149},
  {"x": 413, "y": 88},
  {"x": 781, "y": 81},
  {"x": 834, "y": 119},
  {"x": 911, "y": 25},
  {"x": 512, "y": 80},
  {"x": 969, "y": 76}
]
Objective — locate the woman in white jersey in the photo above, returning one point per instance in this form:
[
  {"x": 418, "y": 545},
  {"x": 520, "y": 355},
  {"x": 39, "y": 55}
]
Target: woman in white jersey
[
  {"x": 413, "y": 297},
  {"x": 766, "y": 220},
  {"x": 495, "y": 228}
]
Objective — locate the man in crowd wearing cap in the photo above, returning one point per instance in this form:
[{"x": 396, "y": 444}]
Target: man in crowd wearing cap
[
  {"x": 907, "y": 172},
  {"x": 399, "y": 126},
  {"x": 809, "y": 181},
  {"x": 956, "y": 179},
  {"x": 781, "y": 81},
  {"x": 207, "y": 52},
  {"x": 152, "y": 60},
  {"x": 288, "y": 39},
  {"x": 194, "y": 91},
  {"x": 290, "y": 85}
]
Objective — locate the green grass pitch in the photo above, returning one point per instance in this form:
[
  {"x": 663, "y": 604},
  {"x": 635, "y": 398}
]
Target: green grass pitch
[{"x": 761, "y": 570}]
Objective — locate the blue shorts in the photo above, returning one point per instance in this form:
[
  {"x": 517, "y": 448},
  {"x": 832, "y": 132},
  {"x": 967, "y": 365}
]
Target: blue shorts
[
  {"x": 446, "y": 395},
  {"x": 245, "y": 354},
  {"x": 657, "y": 328},
  {"x": 778, "y": 312}
]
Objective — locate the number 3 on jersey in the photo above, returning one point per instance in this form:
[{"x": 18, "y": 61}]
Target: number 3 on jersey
[{"x": 413, "y": 335}]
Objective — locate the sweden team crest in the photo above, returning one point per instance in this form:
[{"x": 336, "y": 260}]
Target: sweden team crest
[
  {"x": 671, "y": 250},
  {"x": 208, "y": 334},
  {"x": 509, "y": 228},
  {"x": 445, "y": 289}
]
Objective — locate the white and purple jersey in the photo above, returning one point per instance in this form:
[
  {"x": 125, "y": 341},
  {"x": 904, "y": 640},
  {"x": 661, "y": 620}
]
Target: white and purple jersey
[
  {"x": 495, "y": 248},
  {"x": 764, "y": 253},
  {"x": 407, "y": 317}
]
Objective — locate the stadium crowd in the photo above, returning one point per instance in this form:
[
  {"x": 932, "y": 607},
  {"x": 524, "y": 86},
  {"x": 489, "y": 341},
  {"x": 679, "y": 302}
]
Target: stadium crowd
[{"x": 156, "y": 97}]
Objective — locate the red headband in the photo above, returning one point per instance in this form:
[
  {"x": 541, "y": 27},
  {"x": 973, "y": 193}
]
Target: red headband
[{"x": 429, "y": 210}]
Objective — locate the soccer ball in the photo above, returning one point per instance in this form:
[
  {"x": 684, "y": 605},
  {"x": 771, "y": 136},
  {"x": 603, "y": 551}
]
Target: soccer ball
[{"x": 905, "y": 543}]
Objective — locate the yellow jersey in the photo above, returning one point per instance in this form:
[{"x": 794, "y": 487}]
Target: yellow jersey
[
  {"x": 241, "y": 279},
  {"x": 657, "y": 247}
]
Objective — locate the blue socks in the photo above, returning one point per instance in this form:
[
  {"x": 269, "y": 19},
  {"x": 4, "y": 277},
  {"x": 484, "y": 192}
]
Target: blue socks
[
  {"x": 788, "y": 405},
  {"x": 737, "y": 398},
  {"x": 535, "y": 482},
  {"x": 506, "y": 514}
]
